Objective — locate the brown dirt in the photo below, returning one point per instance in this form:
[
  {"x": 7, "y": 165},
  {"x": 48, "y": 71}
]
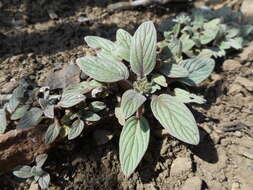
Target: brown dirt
[{"x": 35, "y": 44}]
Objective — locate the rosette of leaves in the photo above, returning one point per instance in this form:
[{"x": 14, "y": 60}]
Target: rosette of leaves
[
  {"x": 39, "y": 175},
  {"x": 132, "y": 60},
  {"x": 65, "y": 111},
  {"x": 206, "y": 32}
]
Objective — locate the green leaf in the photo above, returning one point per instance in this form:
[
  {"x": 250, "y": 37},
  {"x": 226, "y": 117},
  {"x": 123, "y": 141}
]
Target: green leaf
[
  {"x": 97, "y": 106},
  {"x": 123, "y": 39},
  {"x": 99, "y": 43},
  {"x": 160, "y": 79},
  {"x": 187, "y": 43},
  {"x": 199, "y": 69},
  {"x": 37, "y": 171},
  {"x": 90, "y": 116},
  {"x": 76, "y": 129},
  {"x": 14, "y": 101},
  {"x": 131, "y": 101},
  {"x": 23, "y": 172},
  {"x": 30, "y": 119},
  {"x": 44, "y": 180},
  {"x": 133, "y": 143},
  {"x": 119, "y": 115},
  {"x": 47, "y": 108},
  {"x": 80, "y": 88},
  {"x": 175, "y": 47},
  {"x": 176, "y": 118},
  {"x": 19, "y": 112},
  {"x": 102, "y": 69},
  {"x": 143, "y": 49},
  {"x": 186, "y": 97},
  {"x": 173, "y": 70},
  {"x": 236, "y": 43},
  {"x": 40, "y": 160},
  {"x": 71, "y": 99},
  {"x": 3, "y": 121},
  {"x": 52, "y": 133}
]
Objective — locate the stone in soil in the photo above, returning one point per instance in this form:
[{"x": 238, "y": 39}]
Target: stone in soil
[
  {"x": 247, "y": 8},
  {"x": 231, "y": 65},
  {"x": 180, "y": 165},
  {"x": 193, "y": 183},
  {"x": 245, "y": 83}
]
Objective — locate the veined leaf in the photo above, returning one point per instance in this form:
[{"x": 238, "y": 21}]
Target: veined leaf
[
  {"x": 76, "y": 129},
  {"x": 123, "y": 44},
  {"x": 173, "y": 70},
  {"x": 99, "y": 43},
  {"x": 52, "y": 133},
  {"x": 30, "y": 119},
  {"x": 19, "y": 112},
  {"x": 97, "y": 106},
  {"x": 199, "y": 69},
  {"x": 133, "y": 143},
  {"x": 160, "y": 79},
  {"x": 44, "y": 180},
  {"x": 71, "y": 99},
  {"x": 90, "y": 116},
  {"x": 80, "y": 88},
  {"x": 176, "y": 118},
  {"x": 131, "y": 101},
  {"x": 143, "y": 49},
  {"x": 40, "y": 160},
  {"x": 23, "y": 172},
  {"x": 186, "y": 97},
  {"x": 14, "y": 101},
  {"x": 37, "y": 171},
  {"x": 3, "y": 121},
  {"x": 102, "y": 69},
  {"x": 119, "y": 115}
]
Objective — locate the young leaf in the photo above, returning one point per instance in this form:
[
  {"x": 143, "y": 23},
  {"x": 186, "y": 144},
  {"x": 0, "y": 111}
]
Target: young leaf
[
  {"x": 131, "y": 101},
  {"x": 30, "y": 119},
  {"x": 52, "y": 133},
  {"x": 160, "y": 79},
  {"x": 186, "y": 97},
  {"x": 90, "y": 116},
  {"x": 199, "y": 69},
  {"x": 97, "y": 106},
  {"x": 19, "y": 112},
  {"x": 143, "y": 49},
  {"x": 44, "y": 180},
  {"x": 176, "y": 118},
  {"x": 15, "y": 99},
  {"x": 124, "y": 43},
  {"x": 80, "y": 88},
  {"x": 71, "y": 99},
  {"x": 102, "y": 69},
  {"x": 173, "y": 70},
  {"x": 37, "y": 171},
  {"x": 47, "y": 108},
  {"x": 133, "y": 143},
  {"x": 3, "y": 121},
  {"x": 23, "y": 172},
  {"x": 119, "y": 115},
  {"x": 99, "y": 43},
  {"x": 40, "y": 160},
  {"x": 76, "y": 129}
]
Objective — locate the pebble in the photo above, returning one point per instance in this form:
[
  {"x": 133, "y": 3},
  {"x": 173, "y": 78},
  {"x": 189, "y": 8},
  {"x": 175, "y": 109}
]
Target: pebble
[
  {"x": 247, "y": 52},
  {"x": 247, "y": 8},
  {"x": 235, "y": 88},
  {"x": 248, "y": 84},
  {"x": 193, "y": 183},
  {"x": 34, "y": 186},
  {"x": 83, "y": 19},
  {"x": 180, "y": 165},
  {"x": 235, "y": 186},
  {"x": 231, "y": 65}
]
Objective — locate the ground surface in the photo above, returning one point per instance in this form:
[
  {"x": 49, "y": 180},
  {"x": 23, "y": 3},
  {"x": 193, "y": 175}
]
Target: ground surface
[{"x": 32, "y": 43}]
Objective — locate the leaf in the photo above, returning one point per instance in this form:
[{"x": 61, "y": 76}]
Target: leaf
[
  {"x": 76, "y": 129},
  {"x": 19, "y": 112},
  {"x": 143, "y": 49},
  {"x": 133, "y": 143},
  {"x": 187, "y": 43},
  {"x": 37, "y": 171},
  {"x": 14, "y": 101},
  {"x": 23, "y": 172},
  {"x": 175, "y": 47},
  {"x": 99, "y": 43},
  {"x": 30, "y": 119},
  {"x": 102, "y": 69},
  {"x": 131, "y": 101},
  {"x": 44, "y": 181},
  {"x": 236, "y": 43},
  {"x": 119, "y": 115},
  {"x": 40, "y": 160},
  {"x": 3, "y": 121},
  {"x": 90, "y": 116},
  {"x": 71, "y": 99},
  {"x": 123, "y": 44},
  {"x": 176, "y": 118},
  {"x": 97, "y": 106},
  {"x": 173, "y": 70},
  {"x": 52, "y": 133},
  {"x": 160, "y": 79},
  {"x": 199, "y": 69},
  {"x": 186, "y": 97},
  {"x": 80, "y": 88},
  {"x": 47, "y": 108}
]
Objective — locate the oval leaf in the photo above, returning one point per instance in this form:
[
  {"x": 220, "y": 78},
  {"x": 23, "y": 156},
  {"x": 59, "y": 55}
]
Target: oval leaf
[
  {"x": 90, "y": 116},
  {"x": 143, "y": 49},
  {"x": 97, "y": 106},
  {"x": 176, "y": 118},
  {"x": 76, "y": 129},
  {"x": 123, "y": 44},
  {"x": 30, "y": 119},
  {"x": 40, "y": 160},
  {"x": 186, "y": 97},
  {"x": 19, "y": 112},
  {"x": 3, "y": 121},
  {"x": 103, "y": 69},
  {"x": 173, "y": 70},
  {"x": 160, "y": 79},
  {"x": 52, "y": 133},
  {"x": 71, "y": 99},
  {"x": 99, "y": 43},
  {"x": 44, "y": 180},
  {"x": 131, "y": 101},
  {"x": 133, "y": 143},
  {"x": 23, "y": 172},
  {"x": 199, "y": 69}
]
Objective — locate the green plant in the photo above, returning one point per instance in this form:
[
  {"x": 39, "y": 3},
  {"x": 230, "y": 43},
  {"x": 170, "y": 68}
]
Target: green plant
[
  {"x": 133, "y": 63},
  {"x": 206, "y": 32},
  {"x": 39, "y": 175}
]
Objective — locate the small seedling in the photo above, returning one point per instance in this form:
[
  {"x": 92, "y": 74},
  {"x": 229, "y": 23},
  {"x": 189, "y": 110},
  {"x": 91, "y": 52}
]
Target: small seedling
[
  {"x": 40, "y": 176},
  {"x": 133, "y": 61}
]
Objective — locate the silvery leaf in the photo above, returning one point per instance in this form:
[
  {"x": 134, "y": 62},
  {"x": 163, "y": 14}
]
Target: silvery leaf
[
  {"x": 90, "y": 116},
  {"x": 52, "y": 133},
  {"x": 76, "y": 129},
  {"x": 3, "y": 121},
  {"x": 173, "y": 70},
  {"x": 71, "y": 99},
  {"x": 97, "y": 106},
  {"x": 99, "y": 43},
  {"x": 40, "y": 160},
  {"x": 19, "y": 112},
  {"x": 44, "y": 181},
  {"x": 186, "y": 97},
  {"x": 23, "y": 172}
]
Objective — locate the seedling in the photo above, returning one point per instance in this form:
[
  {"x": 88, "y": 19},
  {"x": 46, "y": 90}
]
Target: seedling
[{"x": 133, "y": 60}]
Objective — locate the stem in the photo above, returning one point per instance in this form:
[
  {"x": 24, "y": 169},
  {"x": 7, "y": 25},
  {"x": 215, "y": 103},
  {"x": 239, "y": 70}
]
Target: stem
[{"x": 140, "y": 112}]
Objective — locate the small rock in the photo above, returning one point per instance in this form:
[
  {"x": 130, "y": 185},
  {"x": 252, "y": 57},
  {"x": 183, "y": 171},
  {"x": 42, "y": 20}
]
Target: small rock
[
  {"x": 238, "y": 134},
  {"x": 9, "y": 87},
  {"x": 247, "y": 52},
  {"x": 245, "y": 83},
  {"x": 231, "y": 65},
  {"x": 193, "y": 183},
  {"x": 235, "y": 186},
  {"x": 44, "y": 25},
  {"x": 83, "y": 19},
  {"x": 235, "y": 88},
  {"x": 180, "y": 165},
  {"x": 34, "y": 186},
  {"x": 247, "y": 8},
  {"x": 102, "y": 136}
]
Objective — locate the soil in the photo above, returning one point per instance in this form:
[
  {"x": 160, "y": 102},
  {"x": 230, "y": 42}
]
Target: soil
[{"x": 32, "y": 43}]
